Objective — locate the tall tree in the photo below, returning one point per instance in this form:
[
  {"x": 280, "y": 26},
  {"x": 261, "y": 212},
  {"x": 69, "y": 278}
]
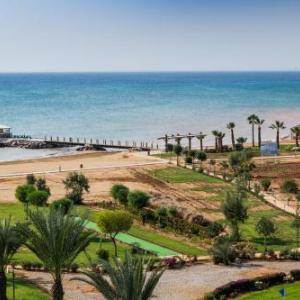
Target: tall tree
[
  {"x": 56, "y": 239},
  {"x": 259, "y": 123},
  {"x": 215, "y": 133},
  {"x": 10, "y": 241},
  {"x": 131, "y": 279},
  {"x": 221, "y": 136},
  {"x": 76, "y": 184},
  {"x": 201, "y": 136},
  {"x": 296, "y": 132},
  {"x": 114, "y": 222},
  {"x": 278, "y": 125},
  {"x": 265, "y": 227},
  {"x": 178, "y": 150},
  {"x": 235, "y": 212},
  {"x": 231, "y": 127},
  {"x": 252, "y": 119}
]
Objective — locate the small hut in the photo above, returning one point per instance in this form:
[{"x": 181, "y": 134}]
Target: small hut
[{"x": 5, "y": 131}]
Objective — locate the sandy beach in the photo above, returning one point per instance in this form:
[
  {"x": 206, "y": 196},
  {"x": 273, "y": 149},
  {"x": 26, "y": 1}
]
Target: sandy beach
[{"x": 101, "y": 168}]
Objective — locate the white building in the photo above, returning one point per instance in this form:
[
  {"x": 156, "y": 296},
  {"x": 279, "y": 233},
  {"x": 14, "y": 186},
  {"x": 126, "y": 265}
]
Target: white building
[{"x": 5, "y": 131}]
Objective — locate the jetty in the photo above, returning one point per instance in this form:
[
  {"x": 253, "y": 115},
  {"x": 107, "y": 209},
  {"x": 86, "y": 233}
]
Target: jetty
[{"x": 98, "y": 144}]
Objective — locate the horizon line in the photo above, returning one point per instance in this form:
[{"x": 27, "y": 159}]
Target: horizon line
[{"x": 153, "y": 71}]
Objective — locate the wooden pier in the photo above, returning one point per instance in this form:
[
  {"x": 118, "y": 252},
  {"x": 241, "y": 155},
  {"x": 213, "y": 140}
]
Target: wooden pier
[{"x": 100, "y": 144}]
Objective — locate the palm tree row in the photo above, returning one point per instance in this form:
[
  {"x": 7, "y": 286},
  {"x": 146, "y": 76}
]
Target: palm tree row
[{"x": 254, "y": 121}]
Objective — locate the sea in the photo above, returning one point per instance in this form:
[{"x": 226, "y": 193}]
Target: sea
[{"x": 144, "y": 106}]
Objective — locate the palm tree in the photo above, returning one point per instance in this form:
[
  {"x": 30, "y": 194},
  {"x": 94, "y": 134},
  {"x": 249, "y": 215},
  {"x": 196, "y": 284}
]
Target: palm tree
[
  {"x": 259, "y": 122},
  {"x": 241, "y": 141},
  {"x": 177, "y": 150},
  {"x": 201, "y": 136},
  {"x": 231, "y": 127},
  {"x": 221, "y": 136},
  {"x": 10, "y": 241},
  {"x": 56, "y": 239},
  {"x": 128, "y": 280},
  {"x": 252, "y": 119},
  {"x": 215, "y": 133},
  {"x": 296, "y": 132},
  {"x": 278, "y": 125}
]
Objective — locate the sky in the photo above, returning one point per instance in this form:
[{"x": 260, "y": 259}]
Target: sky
[{"x": 149, "y": 35}]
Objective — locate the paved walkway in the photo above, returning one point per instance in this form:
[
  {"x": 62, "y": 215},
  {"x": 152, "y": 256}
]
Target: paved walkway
[{"x": 189, "y": 283}]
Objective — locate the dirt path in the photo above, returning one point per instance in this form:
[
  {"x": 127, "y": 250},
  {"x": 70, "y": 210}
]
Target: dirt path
[{"x": 189, "y": 283}]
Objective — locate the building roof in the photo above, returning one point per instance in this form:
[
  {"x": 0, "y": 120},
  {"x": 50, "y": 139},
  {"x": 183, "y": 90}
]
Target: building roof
[{"x": 4, "y": 127}]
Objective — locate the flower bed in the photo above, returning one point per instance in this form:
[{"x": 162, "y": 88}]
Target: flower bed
[{"x": 235, "y": 288}]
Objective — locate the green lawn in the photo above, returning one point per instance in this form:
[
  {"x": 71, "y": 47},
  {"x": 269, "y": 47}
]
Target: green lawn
[
  {"x": 156, "y": 238},
  {"x": 25, "y": 290},
  {"x": 216, "y": 189},
  {"x": 178, "y": 246},
  {"x": 182, "y": 175},
  {"x": 292, "y": 293}
]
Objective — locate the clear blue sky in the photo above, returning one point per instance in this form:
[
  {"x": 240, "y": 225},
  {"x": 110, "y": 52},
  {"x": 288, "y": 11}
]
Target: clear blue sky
[{"x": 138, "y": 35}]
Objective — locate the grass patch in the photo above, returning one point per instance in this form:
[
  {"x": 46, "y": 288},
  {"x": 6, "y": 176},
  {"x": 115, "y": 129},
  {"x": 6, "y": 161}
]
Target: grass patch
[
  {"x": 181, "y": 175},
  {"x": 178, "y": 246},
  {"x": 292, "y": 293},
  {"x": 25, "y": 290}
]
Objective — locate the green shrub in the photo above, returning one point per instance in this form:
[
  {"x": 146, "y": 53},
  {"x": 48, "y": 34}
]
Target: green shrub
[
  {"x": 223, "y": 251},
  {"x": 295, "y": 274},
  {"x": 38, "y": 198},
  {"x": 41, "y": 185},
  {"x": 289, "y": 186},
  {"x": 30, "y": 179},
  {"x": 188, "y": 160},
  {"x": 138, "y": 199},
  {"x": 265, "y": 184},
  {"x": 214, "y": 229},
  {"x": 120, "y": 193},
  {"x": 22, "y": 192},
  {"x": 64, "y": 204}
]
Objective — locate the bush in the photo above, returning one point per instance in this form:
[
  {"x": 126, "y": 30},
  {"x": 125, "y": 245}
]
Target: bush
[
  {"x": 295, "y": 274},
  {"x": 120, "y": 193},
  {"x": 103, "y": 254},
  {"x": 289, "y": 186},
  {"x": 30, "y": 179},
  {"x": 188, "y": 160},
  {"x": 74, "y": 268},
  {"x": 38, "y": 198},
  {"x": 138, "y": 199},
  {"x": 64, "y": 204},
  {"x": 223, "y": 252},
  {"x": 41, "y": 185},
  {"x": 22, "y": 192},
  {"x": 265, "y": 184},
  {"x": 214, "y": 229},
  {"x": 248, "y": 285}
]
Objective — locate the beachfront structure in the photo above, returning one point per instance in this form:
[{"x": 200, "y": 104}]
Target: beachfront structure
[
  {"x": 5, "y": 131},
  {"x": 293, "y": 134}
]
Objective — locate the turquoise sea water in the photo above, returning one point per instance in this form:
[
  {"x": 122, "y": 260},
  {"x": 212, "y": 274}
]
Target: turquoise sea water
[{"x": 143, "y": 106}]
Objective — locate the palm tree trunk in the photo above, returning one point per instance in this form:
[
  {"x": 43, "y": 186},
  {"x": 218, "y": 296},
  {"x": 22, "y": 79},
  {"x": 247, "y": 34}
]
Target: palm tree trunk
[
  {"x": 265, "y": 243},
  {"x": 259, "y": 136},
  {"x": 297, "y": 139},
  {"x": 177, "y": 160},
  {"x": 115, "y": 246},
  {"x": 3, "y": 284},
  {"x": 253, "y": 138},
  {"x": 216, "y": 143},
  {"x": 277, "y": 139},
  {"x": 57, "y": 290},
  {"x": 232, "y": 139},
  {"x": 201, "y": 145}
]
